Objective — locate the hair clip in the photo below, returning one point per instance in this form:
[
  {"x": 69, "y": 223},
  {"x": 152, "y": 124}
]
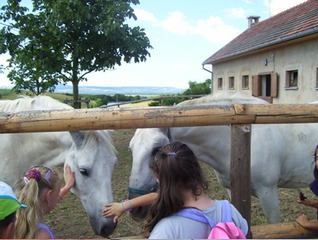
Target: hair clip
[
  {"x": 48, "y": 175},
  {"x": 25, "y": 180},
  {"x": 173, "y": 154}
]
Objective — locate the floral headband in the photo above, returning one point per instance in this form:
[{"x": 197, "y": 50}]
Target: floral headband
[{"x": 34, "y": 173}]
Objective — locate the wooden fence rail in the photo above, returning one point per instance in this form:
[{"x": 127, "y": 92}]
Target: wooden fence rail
[{"x": 177, "y": 116}]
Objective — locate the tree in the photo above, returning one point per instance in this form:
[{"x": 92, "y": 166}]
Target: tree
[
  {"x": 63, "y": 41},
  {"x": 195, "y": 88},
  {"x": 198, "y": 88},
  {"x": 27, "y": 77}
]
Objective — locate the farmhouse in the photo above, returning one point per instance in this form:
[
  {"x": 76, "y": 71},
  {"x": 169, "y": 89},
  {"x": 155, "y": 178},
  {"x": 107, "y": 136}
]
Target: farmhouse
[{"x": 275, "y": 59}]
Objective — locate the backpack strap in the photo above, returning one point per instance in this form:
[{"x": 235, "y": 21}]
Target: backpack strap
[{"x": 196, "y": 214}]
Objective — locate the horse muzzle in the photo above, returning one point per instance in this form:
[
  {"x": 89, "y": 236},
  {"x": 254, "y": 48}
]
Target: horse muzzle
[{"x": 104, "y": 229}]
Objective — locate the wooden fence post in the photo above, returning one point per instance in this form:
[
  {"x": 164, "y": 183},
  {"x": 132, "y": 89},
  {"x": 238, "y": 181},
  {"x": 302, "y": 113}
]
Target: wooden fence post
[{"x": 241, "y": 169}]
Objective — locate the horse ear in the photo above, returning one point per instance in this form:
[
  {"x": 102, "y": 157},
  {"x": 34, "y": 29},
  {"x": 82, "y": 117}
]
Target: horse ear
[
  {"x": 110, "y": 131},
  {"x": 78, "y": 138},
  {"x": 166, "y": 132}
]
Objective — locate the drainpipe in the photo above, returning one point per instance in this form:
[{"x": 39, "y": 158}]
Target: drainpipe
[{"x": 211, "y": 77}]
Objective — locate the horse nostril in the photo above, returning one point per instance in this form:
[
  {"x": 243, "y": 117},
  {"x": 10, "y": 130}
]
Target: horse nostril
[{"x": 106, "y": 231}]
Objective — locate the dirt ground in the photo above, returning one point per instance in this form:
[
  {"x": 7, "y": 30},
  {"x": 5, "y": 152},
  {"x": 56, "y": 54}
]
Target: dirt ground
[{"x": 69, "y": 220}]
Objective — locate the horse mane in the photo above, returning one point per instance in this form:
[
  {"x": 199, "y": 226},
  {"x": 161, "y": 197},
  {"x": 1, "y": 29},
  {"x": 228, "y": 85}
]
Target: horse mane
[
  {"x": 32, "y": 103},
  {"x": 224, "y": 99}
]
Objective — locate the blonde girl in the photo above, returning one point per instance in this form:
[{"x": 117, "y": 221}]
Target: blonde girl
[{"x": 40, "y": 190}]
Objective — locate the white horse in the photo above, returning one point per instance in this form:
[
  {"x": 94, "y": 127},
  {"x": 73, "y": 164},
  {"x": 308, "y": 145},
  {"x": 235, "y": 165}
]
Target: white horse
[
  {"x": 90, "y": 154},
  {"x": 281, "y": 155}
]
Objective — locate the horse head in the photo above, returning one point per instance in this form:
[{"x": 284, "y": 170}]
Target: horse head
[
  {"x": 93, "y": 158},
  {"x": 142, "y": 180}
]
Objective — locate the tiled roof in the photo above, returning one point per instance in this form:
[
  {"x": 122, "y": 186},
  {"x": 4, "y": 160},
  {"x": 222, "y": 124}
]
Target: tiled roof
[{"x": 296, "y": 22}]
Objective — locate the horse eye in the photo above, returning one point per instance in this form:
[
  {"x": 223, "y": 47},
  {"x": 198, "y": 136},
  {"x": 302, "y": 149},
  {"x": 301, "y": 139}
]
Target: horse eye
[{"x": 83, "y": 171}]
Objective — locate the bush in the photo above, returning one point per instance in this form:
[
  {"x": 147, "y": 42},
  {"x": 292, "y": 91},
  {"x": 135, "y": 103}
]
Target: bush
[{"x": 154, "y": 104}]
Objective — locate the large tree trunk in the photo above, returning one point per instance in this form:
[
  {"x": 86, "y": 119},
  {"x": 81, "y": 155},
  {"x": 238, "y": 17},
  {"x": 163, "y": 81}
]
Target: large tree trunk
[{"x": 76, "y": 104}]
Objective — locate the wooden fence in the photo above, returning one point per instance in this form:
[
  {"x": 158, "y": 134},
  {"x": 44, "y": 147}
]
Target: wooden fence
[{"x": 240, "y": 116}]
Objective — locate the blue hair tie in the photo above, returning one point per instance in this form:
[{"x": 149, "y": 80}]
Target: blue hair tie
[{"x": 173, "y": 154}]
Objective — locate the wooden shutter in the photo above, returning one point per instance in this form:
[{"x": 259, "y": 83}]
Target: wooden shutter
[
  {"x": 274, "y": 85},
  {"x": 256, "y": 86}
]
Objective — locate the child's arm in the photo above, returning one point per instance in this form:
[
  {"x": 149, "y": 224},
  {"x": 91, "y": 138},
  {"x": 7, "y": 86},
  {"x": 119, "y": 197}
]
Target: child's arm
[
  {"x": 117, "y": 209},
  {"x": 143, "y": 200},
  {"x": 309, "y": 203},
  {"x": 303, "y": 221}
]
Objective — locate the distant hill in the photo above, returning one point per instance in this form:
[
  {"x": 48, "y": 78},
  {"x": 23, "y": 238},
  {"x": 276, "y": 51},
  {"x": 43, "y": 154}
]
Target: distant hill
[{"x": 130, "y": 90}]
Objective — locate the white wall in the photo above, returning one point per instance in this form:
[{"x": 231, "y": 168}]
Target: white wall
[{"x": 302, "y": 57}]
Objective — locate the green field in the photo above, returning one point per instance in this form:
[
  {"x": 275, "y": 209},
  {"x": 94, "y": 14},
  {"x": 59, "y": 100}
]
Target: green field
[
  {"x": 10, "y": 95},
  {"x": 6, "y": 94}
]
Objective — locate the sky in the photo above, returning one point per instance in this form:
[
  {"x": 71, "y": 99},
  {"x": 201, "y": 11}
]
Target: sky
[{"x": 183, "y": 34}]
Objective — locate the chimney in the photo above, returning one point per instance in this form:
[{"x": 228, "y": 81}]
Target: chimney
[{"x": 252, "y": 20}]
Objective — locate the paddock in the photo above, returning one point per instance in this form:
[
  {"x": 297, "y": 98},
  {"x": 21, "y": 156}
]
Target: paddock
[{"x": 240, "y": 116}]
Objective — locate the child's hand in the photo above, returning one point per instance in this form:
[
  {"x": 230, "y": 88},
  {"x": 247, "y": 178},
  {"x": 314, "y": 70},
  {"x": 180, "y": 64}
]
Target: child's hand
[
  {"x": 69, "y": 181},
  {"x": 301, "y": 201},
  {"x": 305, "y": 202},
  {"x": 113, "y": 209},
  {"x": 69, "y": 177}
]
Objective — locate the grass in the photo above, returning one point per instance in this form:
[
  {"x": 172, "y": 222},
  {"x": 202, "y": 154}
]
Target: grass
[
  {"x": 7, "y": 94},
  {"x": 10, "y": 95}
]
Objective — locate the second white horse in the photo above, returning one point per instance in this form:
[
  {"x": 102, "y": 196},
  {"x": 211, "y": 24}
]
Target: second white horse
[{"x": 281, "y": 154}]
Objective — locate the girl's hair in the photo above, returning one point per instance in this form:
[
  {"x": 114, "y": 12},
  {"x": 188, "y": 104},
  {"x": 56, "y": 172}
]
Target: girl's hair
[
  {"x": 316, "y": 159},
  {"x": 315, "y": 169},
  {"x": 177, "y": 169},
  {"x": 29, "y": 190}
]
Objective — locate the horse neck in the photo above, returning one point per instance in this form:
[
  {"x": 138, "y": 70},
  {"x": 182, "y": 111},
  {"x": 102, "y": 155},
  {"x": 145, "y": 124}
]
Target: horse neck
[
  {"x": 211, "y": 144},
  {"x": 57, "y": 146},
  {"x": 21, "y": 151}
]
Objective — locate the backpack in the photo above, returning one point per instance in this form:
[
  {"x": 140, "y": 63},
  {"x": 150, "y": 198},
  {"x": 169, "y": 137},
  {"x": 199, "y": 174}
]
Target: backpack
[{"x": 226, "y": 229}]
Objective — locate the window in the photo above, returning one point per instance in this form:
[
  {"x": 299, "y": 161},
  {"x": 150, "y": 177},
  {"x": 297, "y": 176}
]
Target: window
[
  {"x": 245, "y": 82},
  {"x": 231, "y": 83},
  {"x": 292, "y": 79},
  {"x": 220, "y": 83}
]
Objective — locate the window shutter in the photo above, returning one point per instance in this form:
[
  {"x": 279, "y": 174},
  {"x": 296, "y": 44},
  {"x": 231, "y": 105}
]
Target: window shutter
[
  {"x": 274, "y": 85},
  {"x": 256, "y": 86}
]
